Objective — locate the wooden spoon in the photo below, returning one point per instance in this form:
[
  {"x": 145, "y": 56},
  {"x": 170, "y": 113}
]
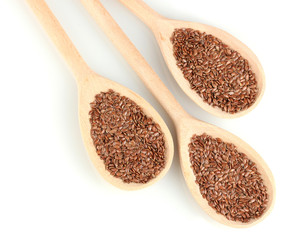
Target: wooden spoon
[
  {"x": 89, "y": 84},
  {"x": 163, "y": 29},
  {"x": 186, "y": 125}
]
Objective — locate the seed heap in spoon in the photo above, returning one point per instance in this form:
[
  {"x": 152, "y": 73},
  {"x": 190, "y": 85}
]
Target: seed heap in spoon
[
  {"x": 227, "y": 178},
  {"x": 131, "y": 144},
  {"x": 217, "y": 73}
]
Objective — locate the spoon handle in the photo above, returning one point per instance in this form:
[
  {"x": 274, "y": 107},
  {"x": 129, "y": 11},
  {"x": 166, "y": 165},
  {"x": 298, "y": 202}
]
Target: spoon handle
[
  {"x": 135, "y": 59},
  {"x": 59, "y": 38},
  {"x": 143, "y": 11}
]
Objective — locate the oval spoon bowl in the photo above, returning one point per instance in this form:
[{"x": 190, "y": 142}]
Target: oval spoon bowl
[
  {"x": 190, "y": 127},
  {"x": 163, "y": 33},
  {"x": 87, "y": 91},
  {"x": 89, "y": 85}
]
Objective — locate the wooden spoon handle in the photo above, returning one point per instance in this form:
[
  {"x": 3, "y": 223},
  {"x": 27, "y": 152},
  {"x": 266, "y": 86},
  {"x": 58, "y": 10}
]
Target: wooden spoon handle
[
  {"x": 59, "y": 38},
  {"x": 144, "y": 12},
  {"x": 135, "y": 59}
]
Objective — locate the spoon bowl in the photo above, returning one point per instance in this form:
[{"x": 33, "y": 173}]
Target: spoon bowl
[
  {"x": 89, "y": 85},
  {"x": 163, "y": 33},
  {"x": 186, "y": 125},
  {"x": 163, "y": 29},
  {"x": 190, "y": 126},
  {"x": 93, "y": 85}
]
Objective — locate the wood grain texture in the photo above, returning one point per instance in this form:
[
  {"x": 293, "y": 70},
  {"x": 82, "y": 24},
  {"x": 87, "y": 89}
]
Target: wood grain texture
[
  {"x": 89, "y": 84},
  {"x": 186, "y": 125},
  {"x": 163, "y": 29}
]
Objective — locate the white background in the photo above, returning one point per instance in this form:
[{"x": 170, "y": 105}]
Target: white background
[{"x": 48, "y": 187}]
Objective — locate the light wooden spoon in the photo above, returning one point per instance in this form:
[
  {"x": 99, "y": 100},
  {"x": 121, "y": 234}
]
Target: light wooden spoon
[
  {"x": 186, "y": 125},
  {"x": 89, "y": 84},
  {"x": 163, "y": 29}
]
